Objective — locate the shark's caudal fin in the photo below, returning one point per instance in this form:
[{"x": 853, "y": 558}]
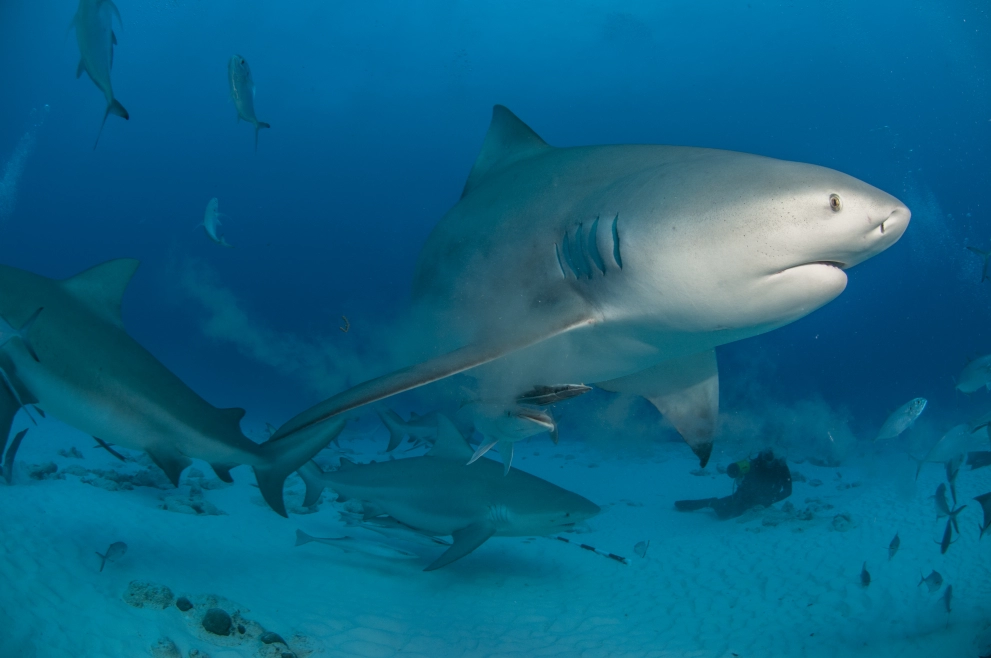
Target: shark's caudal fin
[
  {"x": 258, "y": 126},
  {"x": 283, "y": 456},
  {"x": 113, "y": 108},
  {"x": 302, "y": 538},
  {"x": 313, "y": 479},
  {"x": 396, "y": 427},
  {"x": 8, "y": 459}
]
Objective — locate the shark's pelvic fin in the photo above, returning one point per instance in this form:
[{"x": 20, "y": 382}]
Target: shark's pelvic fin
[
  {"x": 686, "y": 391},
  {"x": 465, "y": 541},
  {"x": 450, "y": 444},
  {"x": 223, "y": 471},
  {"x": 483, "y": 448},
  {"x": 283, "y": 456},
  {"x": 171, "y": 461},
  {"x": 508, "y": 140},
  {"x": 506, "y": 452},
  {"x": 102, "y": 287}
]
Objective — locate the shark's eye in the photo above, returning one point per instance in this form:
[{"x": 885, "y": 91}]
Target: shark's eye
[{"x": 835, "y": 203}]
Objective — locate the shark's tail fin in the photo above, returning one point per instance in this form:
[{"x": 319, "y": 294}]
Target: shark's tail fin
[
  {"x": 283, "y": 456},
  {"x": 258, "y": 126},
  {"x": 302, "y": 538},
  {"x": 396, "y": 427},
  {"x": 113, "y": 108},
  {"x": 313, "y": 479}
]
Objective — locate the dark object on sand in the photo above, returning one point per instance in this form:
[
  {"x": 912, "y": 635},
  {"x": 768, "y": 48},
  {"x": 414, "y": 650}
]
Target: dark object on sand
[
  {"x": 979, "y": 459},
  {"x": 272, "y": 638},
  {"x": 947, "y": 537},
  {"x": 762, "y": 481},
  {"x": 865, "y": 576},
  {"x": 545, "y": 395},
  {"x": 217, "y": 621},
  {"x": 641, "y": 548},
  {"x": 948, "y": 598},
  {"x": 184, "y": 604},
  {"x": 893, "y": 546}
]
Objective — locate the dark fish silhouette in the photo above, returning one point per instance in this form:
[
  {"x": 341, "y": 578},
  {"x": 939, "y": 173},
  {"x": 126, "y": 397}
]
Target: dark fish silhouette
[
  {"x": 952, "y": 470},
  {"x": 985, "y": 501},
  {"x": 865, "y": 576},
  {"x": 948, "y": 597},
  {"x": 893, "y": 546},
  {"x": 933, "y": 581},
  {"x": 114, "y": 553},
  {"x": 544, "y": 395},
  {"x": 947, "y": 537},
  {"x": 943, "y": 507}
]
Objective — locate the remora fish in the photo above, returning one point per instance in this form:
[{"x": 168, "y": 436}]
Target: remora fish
[
  {"x": 92, "y": 375},
  {"x": 545, "y": 395},
  {"x": 389, "y": 527},
  {"x": 893, "y": 546},
  {"x": 504, "y": 426},
  {"x": 985, "y": 501},
  {"x": 211, "y": 222},
  {"x": 114, "y": 553},
  {"x": 625, "y": 266},
  {"x": 933, "y": 581},
  {"x": 901, "y": 419},
  {"x": 243, "y": 93},
  {"x": 976, "y": 374},
  {"x": 95, "y": 36},
  {"x": 351, "y": 544},
  {"x": 439, "y": 494}
]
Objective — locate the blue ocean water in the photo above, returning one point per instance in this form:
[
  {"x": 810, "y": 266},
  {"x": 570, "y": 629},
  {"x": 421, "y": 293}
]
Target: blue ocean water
[{"x": 378, "y": 111}]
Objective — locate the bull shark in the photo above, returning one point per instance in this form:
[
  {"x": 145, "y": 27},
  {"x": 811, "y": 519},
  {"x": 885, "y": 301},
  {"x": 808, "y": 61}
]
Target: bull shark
[
  {"x": 624, "y": 267},
  {"x": 95, "y": 35},
  {"x": 83, "y": 368},
  {"x": 439, "y": 494}
]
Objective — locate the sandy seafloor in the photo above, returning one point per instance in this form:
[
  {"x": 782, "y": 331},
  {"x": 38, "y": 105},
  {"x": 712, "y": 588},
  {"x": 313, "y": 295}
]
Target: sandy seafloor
[{"x": 766, "y": 585}]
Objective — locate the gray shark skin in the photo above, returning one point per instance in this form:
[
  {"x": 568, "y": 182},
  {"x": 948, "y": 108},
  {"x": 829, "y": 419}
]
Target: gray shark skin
[
  {"x": 625, "y": 266},
  {"x": 211, "y": 222},
  {"x": 242, "y": 87},
  {"x": 95, "y": 35},
  {"x": 439, "y": 494},
  {"x": 92, "y": 375}
]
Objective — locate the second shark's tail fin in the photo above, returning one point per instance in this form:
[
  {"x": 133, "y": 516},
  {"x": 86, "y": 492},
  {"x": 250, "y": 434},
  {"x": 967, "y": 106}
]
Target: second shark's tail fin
[
  {"x": 283, "y": 456},
  {"x": 313, "y": 479},
  {"x": 302, "y": 538},
  {"x": 258, "y": 126},
  {"x": 113, "y": 108},
  {"x": 986, "y": 255},
  {"x": 396, "y": 427}
]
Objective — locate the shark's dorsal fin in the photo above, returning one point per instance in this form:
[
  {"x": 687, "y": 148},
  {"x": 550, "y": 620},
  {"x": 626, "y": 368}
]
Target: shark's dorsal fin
[
  {"x": 233, "y": 415},
  {"x": 508, "y": 140},
  {"x": 450, "y": 444},
  {"x": 101, "y": 288},
  {"x": 346, "y": 464}
]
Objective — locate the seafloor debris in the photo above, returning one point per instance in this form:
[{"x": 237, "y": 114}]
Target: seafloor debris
[{"x": 148, "y": 595}]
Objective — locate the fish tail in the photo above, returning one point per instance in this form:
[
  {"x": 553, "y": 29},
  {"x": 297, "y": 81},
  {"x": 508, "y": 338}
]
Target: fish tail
[
  {"x": 114, "y": 107},
  {"x": 280, "y": 457},
  {"x": 302, "y": 538},
  {"x": 258, "y": 126},
  {"x": 103, "y": 560},
  {"x": 313, "y": 479}
]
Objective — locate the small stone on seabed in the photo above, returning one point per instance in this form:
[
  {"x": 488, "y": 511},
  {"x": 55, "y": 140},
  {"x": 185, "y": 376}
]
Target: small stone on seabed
[
  {"x": 272, "y": 638},
  {"x": 148, "y": 595},
  {"x": 217, "y": 621},
  {"x": 165, "y": 648},
  {"x": 183, "y": 603}
]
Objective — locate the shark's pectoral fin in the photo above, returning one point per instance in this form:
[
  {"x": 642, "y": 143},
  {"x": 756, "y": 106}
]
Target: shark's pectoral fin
[
  {"x": 80, "y": 69},
  {"x": 483, "y": 448},
  {"x": 506, "y": 452},
  {"x": 686, "y": 391},
  {"x": 440, "y": 367},
  {"x": 171, "y": 461},
  {"x": 223, "y": 471},
  {"x": 465, "y": 541}
]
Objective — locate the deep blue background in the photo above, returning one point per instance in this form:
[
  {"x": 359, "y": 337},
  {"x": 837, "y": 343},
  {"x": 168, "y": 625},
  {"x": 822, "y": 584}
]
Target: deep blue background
[{"x": 378, "y": 109}]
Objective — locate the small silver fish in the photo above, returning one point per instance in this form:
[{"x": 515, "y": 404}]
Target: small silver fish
[
  {"x": 351, "y": 544},
  {"x": 865, "y": 576},
  {"x": 243, "y": 93},
  {"x": 893, "y": 546},
  {"x": 901, "y": 419},
  {"x": 933, "y": 581},
  {"x": 641, "y": 548},
  {"x": 948, "y": 598},
  {"x": 114, "y": 553}
]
